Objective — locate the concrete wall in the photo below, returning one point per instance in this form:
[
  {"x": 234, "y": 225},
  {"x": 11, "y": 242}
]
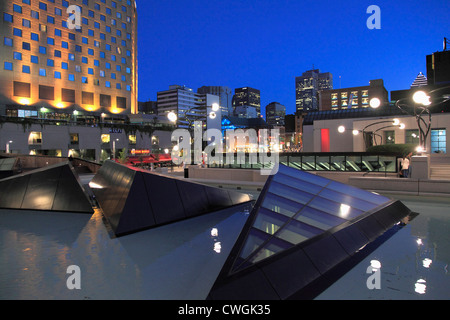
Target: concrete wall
[{"x": 347, "y": 142}]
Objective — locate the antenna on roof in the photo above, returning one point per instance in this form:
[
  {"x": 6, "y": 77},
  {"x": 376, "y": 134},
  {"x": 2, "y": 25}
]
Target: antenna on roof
[{"x": 446, "y": 42}]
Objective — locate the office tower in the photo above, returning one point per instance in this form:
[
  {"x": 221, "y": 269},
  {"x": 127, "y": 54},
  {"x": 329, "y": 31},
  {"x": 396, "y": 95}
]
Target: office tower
[
  {"x": 84, "y": 60},
  {"x": 275, "y": 114},
  {"x": 355, "y": 97},
  {"x": 420, "y": 81},
  {"x": 225, "y": 97},
  {"x": 307, "y": 88},
  {"x": 188, "y": 105},
  {"x": 247, "y": 97},
  {"x": 438, "y": 68}
]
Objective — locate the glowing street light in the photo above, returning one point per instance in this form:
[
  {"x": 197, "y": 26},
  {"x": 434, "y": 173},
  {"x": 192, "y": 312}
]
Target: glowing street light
[
  {"x": 420, "y": 97},
  {"x": 172, "y": 116},
  {"x": 215, "y": 107},
  {"x": 341, "y": 129},
  {"x": 7, "y": 146},
  {"x": 375, "y": 103}
]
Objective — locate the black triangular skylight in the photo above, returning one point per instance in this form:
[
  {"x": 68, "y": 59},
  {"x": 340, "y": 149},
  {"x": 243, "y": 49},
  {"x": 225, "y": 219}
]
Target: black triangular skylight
[{"x": 133, "y": 200}]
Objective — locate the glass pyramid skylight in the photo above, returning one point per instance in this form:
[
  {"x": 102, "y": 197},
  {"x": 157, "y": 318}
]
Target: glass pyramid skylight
[{"x": 297, "y": 206}]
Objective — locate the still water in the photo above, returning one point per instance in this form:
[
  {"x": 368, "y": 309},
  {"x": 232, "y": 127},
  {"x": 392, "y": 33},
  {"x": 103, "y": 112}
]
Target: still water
[{"x": 182, "y": 260}]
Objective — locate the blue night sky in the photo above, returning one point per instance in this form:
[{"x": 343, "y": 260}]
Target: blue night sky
[{"x": 265, "y": 44}]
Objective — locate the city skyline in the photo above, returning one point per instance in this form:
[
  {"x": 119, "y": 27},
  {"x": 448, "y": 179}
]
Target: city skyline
[{"x": 265, "y": 45}]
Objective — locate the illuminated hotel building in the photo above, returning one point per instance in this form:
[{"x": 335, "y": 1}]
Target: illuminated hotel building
[{"x": 46, "y": 65}]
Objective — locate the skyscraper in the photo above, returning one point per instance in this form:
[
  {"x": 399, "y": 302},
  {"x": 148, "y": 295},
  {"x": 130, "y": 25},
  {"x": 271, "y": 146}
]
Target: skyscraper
[
  {"x": 188, "y": 105},
  {"x": 307, "y": 88},
  {"x": 225, "y": 97},
  {"x": 47, "y": 61},
  {"x": 275, "y": 114},
  {"x": 247, "y": 97}
]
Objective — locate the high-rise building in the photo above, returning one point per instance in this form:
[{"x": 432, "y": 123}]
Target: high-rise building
[
  {"x": 188, "y": 105},
  {"x": 307, "y": 88},
  {"x": 438, "y": 68},
  {"x": 225, "y": 97},
  {"x": 420, "y": 81},
  {"x": 275, "y": 114},
  {"x": 355, "y": 97},
  {"x": 247, "y": 97},
  {"x": 69, "y": 56}
]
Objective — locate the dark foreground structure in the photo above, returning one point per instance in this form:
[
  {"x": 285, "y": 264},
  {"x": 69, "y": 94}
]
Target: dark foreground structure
[
  {"x": 133, "y": 200},
  {"x": 301, "y": 229},
  {"x": 52, "y": 188}
]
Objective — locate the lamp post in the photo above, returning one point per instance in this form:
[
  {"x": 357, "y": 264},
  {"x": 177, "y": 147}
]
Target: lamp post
[
  {"x": 114, "y": 149},
  {"x": 7, "y": 146},
  {"x": 421, "y": 111}
]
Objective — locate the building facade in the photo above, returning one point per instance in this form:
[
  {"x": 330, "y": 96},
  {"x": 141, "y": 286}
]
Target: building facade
[
  {"x": 307, "y": 89},
  {"x": 68, "y": 56},
  {"x": 275, "y": 114},
  {"x": 247, "y": 97},
  {"x": 356, "y": 97},
  {"x": 225, "y": 97},
  {"x": 438, "y": 68},
  {"x": 189, "y": 106}
]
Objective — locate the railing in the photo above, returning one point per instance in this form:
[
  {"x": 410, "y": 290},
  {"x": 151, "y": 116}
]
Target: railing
[{"x": 344, "y": 162}]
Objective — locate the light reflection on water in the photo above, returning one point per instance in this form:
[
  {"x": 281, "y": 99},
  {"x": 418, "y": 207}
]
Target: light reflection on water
[
  {"x": 163, "y": 263},
  {"x": 36, "y": 249},
  {"x": 414, "y": 262}
]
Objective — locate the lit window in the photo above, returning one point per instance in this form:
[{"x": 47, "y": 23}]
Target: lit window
[{"x": 106, "y": 138}]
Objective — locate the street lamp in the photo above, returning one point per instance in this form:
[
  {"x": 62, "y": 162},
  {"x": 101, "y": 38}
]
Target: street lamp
[
  {"x": 172, "y": 116},
  {"x": 7, "y": 146},
  {"x": 114, "y": 149},
  {"x": 422, "y": 104},
  {"x": 375, "y": 103}
]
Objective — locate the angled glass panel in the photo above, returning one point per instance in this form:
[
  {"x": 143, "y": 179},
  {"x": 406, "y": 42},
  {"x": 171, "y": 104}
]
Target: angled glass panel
[
  {"x": 281, "y": 205},
  {"x": 290, "y": 193},
  {"x": 269, "y": 221},
  {"x": 297, "y": 183},
  {"x": 296, "y": 232},
  {"x": 358, "y": 193},
  {"x": 307, "y": 177},
  {"x": 338, "y": 163},
  {"x": 273, "y": 246},
  {"x": 347, "y": 199},
  {"x": 254, "y": 240},
  {"x": 353, "y": 163},
  {"x": 340, "y": 210},
  {"x": 319, "y": 219}
]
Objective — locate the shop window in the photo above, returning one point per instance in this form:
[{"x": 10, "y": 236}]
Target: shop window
[{"x": 35, "y": 138}]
